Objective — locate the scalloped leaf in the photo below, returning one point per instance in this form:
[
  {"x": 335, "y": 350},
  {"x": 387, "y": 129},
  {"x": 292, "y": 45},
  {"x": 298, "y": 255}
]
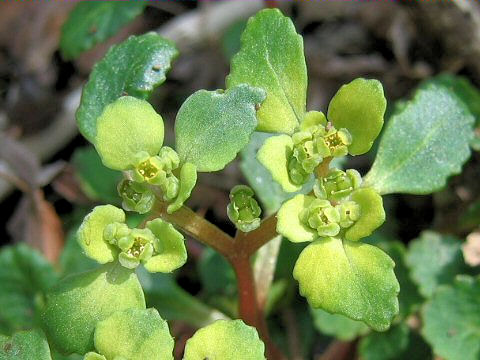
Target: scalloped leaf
[
  {"x": 349, "y": 278},
  {"x": 173, "y": 253},
  {"x": 25, "y": 276},
  {"x": 434, "y": 259},
  {"x": 271, "y": 58},
  {"x": 226, "y": 340},
  {"x": 359, "y": 106},
  {"x": 451, "y": 320},
  {"x": 134, "y": 67},
  {"x": 424, "y": 143},
  {"x": 372, "y": 214},
  {"x": 274, "y": 155},
  {"x": 339, "y": 326},
  {"x": 213, "y": 126},
  {"x": 289, "y": 224},
  {"x": 78, "y": 302},
  {"x": 25, "y": 345},
  {"x": 126, "y": 127},
  {"x": 90, "y": 233},
  {"x": 134, "y": 334},
  {"x": 90, "y": 23}
]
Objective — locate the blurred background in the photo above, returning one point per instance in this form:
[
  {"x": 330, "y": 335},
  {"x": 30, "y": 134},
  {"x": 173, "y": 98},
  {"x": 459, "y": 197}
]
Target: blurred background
[{"x": 50, "y": 176}]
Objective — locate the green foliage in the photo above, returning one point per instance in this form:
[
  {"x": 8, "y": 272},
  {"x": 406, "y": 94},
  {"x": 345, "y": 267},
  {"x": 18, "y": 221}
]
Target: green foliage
[
  {"x": 134, "y": 67},
  {"x": 78, "y": 302},
  {"x": 271, "y": 58},
  {"x": 91, "y": 233},
  {"x": 359, "y": 100},
  {"x": 385, "y": 346},
  {"x": 134, "y": 334},
  {"x": 339, "y": 326},
  {"x": 434, "y": 259},
  {"x": 25, "y": 345},
  {"x": 425, "y": 142},
  {"x": 91, "y": 23},
  {"x": 226, "y": 340},
  {"x": 25, "y": 276},
  {"x": 188, "y": 179},
  {"x": 126, "y": 128},
  {"x": 349, "y": 278},
  {"x": 213, "y": 126},
  {"x": 97, "y": 181},
  {"x": 452, "y": 320}
]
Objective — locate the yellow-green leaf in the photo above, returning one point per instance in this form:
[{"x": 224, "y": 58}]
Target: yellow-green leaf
[
  {"x": 271, "y": 58},
  {"x": 349, "y": 278},
  {"x": 225, "y": 340}
]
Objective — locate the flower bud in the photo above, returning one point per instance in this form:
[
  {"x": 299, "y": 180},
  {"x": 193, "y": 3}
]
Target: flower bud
[{"x": 243, "y": 209}]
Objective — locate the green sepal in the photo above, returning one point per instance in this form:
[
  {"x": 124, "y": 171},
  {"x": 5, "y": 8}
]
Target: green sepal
[
  {"x": 349, "y": 278},
  {"x": 134, "y": 334},
  {"x": 271, "y": 58},
  {"x": 25, "y": 345},
  {"x": 93, "y": 356},
  {"x": 372, "y": 214},
  {"x": 169, "y": 248},
  {"x": 188, "y": 179},
  {"x": 90, "y": 234},
  {"x": 274, "y": 155},
  {"x": 359, "y": 106},
  {"x": 213, "y": 126},
  {"x": 225, "y": 340},
  {"x": 313, "y": 118},
  {"x": 289, "y": 223},
  {"x": 128, "y": 126},
  {"x": 75, "y": 305}
]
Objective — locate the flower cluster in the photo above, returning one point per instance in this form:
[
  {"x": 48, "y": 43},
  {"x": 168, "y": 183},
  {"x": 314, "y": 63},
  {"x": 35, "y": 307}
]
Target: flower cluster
[
  {"x": 130, "y": 138},
  {"x": 105, "y": 237}
]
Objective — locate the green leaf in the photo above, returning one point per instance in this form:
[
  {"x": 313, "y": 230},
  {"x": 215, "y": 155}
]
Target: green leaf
[
  {"x": 78, "y": 302},
  {"x": 216, "y": 274},
  {"x": 289, "y": 223},
  {"x": 372, "y": 214},
  {"x": 188, "y": 179},
  {"x": 226, "y": 340},
  {"x": 435, "y": 259},
  {"x": 134, "y": 334},
  {"x": 90, "y": 233},
  {"x": 174, "y": 303},
  {"x": 271, "y": 57},
  {"x": 451, "y": 320},
  {"x": 339, "y": 326},
  {"x": 173, "y": 253},
  {"x": 349, "y": 278},
  {"x": 424, "y": 143},
  {"x": 135, "y": 67},
  {"x": 213, "y": 126},
  {"x": 90, "y": 23},
  {"x": 72, "y": 259},
  {"x": 409, "y": 298},
  {"x": 385, "y": 346},
  {"x": 127, "y": 127},
  {"x": 25, "y": 276},
  {"x": 359, "y": 107},
  {"x": 97, "y": 181},
  {"x": 274, "y": 156},
  {"x": 25, "y": 345}
]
